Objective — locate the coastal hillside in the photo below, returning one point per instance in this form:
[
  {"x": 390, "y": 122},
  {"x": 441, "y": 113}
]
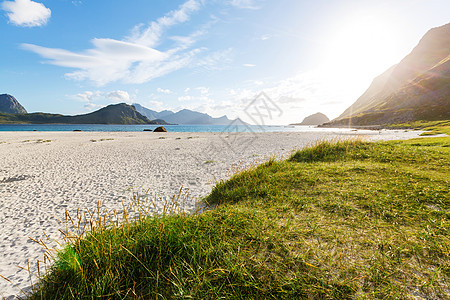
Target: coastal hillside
[
  {"x": 314, "y": 119},
  {"x": 417, "y": 88},
  {"x": 185, "y": 117},
  {"x": 120, "y": 114},
  {"x": 9, "y": 105}
]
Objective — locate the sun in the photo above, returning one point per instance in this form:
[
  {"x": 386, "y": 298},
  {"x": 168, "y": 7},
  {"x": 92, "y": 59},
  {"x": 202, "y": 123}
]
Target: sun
[{"x": 361, "y": 48}]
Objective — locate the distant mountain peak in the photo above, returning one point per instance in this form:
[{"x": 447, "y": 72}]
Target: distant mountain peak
[
  {"x": 184, "y": 117},
  {"x": 10, "y": 105}
]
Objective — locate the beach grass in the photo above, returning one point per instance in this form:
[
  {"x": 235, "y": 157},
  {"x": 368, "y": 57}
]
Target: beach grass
[
  {"x": 430, "y": 127},
  {"x": 337, "y": 220}
]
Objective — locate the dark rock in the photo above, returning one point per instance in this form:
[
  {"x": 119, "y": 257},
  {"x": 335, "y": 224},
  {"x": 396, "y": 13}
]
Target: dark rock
[
  {"x": 160, "y": 129},
  {"x": 77, "y": 130},
  {"x": 148, "y": 130}
]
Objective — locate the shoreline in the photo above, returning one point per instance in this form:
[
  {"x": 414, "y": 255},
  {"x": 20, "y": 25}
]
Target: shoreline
[
  {"x": 43, "y": 174},
  {"x": 174, "y": 128}
]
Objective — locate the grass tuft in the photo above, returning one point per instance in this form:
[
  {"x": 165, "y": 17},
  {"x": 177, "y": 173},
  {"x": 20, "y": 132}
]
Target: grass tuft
[
  {"x": 327, "y": 151},
  {"x": 68, "y": 260}
]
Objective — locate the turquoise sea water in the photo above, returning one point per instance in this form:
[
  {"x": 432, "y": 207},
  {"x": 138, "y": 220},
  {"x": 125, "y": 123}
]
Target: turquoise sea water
[{"x": 170, "y": 128}]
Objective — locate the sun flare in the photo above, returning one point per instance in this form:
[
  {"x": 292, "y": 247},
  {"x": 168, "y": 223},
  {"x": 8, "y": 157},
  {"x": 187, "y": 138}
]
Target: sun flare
[{"x": 362, "y": 48}]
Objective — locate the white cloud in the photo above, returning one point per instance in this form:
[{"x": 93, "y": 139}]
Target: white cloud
[
  {"x": 249, "y": 65},
  {"x": 248, "y": 4},
  {"x": 97, "y": 99},
  {"x": 146, "y": 71},
  {"x": 187, "y": 41},
  {"x": 187, "y": 90},
  {"x": 203, "y": 90},
  {"x": 119, "y": 96},
  {"x": 198, "y": 101},
  {"x": 256, "y": 82},
  {"x": 86, "y": 96},
  {"x": 110, "y": 60},
  {"x": 290, "y": 100},
  {"x": 218, "y": 60},
  {"x": 92, "y": 106},
  {"x": 133, "y": 60},
  {"x": 184, "y": 98},
  {"x": 154, "y": 103},
  {"x": 303, "y": 85},
  {"x": 297, "y": 96},
  {"x": 164, "y": 91},
  {"x": 26, "y": 13},
  {"x": 151, "y": 34}
]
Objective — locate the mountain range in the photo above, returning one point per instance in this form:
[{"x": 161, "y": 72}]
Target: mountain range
[
  {"x": 112, "y": 114},
  {"x": 12, "y": 112},
  {"x": 186, "y": 117},
  {"x": 417, "y": 88}
]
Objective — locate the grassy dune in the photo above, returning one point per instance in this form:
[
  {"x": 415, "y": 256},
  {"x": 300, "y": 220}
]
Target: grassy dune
[{"x": 341, "y": 220}]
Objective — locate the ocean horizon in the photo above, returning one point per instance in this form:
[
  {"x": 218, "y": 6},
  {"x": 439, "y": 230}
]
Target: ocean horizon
[{"x": 170, "y": 128}]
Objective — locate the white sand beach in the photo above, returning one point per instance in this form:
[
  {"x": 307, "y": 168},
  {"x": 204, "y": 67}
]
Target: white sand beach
[{"x": 43, "y": 174}]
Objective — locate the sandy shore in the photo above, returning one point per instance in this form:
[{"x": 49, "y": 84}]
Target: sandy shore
[{"x": 43, "y": 174}]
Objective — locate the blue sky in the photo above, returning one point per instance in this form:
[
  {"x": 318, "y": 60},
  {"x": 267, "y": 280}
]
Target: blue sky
[{"x": 214, "y": 56}]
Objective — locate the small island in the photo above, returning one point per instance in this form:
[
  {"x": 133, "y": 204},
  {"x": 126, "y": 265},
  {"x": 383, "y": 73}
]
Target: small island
[{"x": 313, "y": 120}]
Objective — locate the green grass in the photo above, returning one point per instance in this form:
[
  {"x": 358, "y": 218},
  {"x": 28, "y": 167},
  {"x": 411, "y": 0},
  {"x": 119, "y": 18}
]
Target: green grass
[
  {"x": 431, "y": 127},
  {"x": 339, "y": 220}
]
